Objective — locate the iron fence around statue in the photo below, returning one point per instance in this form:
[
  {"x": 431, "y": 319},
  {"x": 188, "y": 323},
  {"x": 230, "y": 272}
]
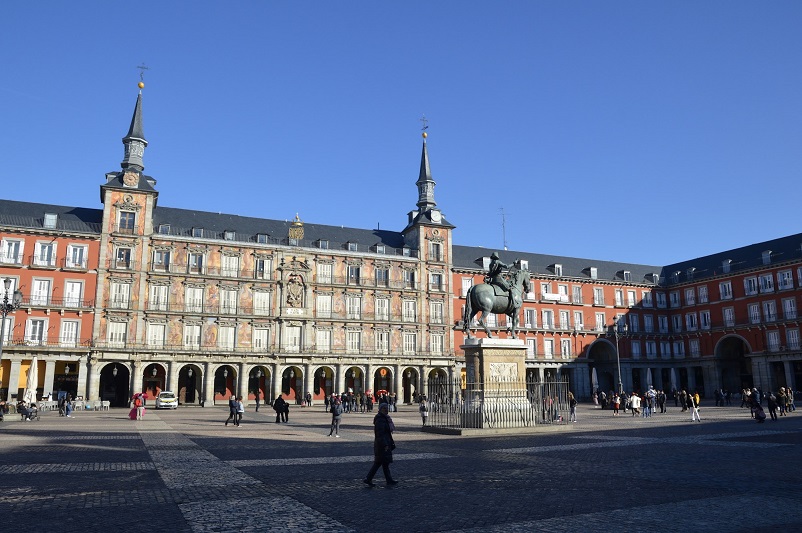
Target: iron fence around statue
[{"x": 495, "y": 404}]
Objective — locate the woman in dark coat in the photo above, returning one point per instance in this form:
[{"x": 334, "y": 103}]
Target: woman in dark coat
[{"x": 383, "y": 446}]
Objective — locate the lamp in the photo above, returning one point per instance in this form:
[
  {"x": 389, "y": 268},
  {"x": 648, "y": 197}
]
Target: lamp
[
  {"x": 114, "y": 370},
  {"x": 619, "y": 332},
  {"x": 258, "y": 373},
  {"x": 189, "y": 372},
  {"x": 225, "y": 372},
  {"x": 153, "y": 372},
  {"x": 66, "y": 369},
  {"x": 8, "y": 307}
]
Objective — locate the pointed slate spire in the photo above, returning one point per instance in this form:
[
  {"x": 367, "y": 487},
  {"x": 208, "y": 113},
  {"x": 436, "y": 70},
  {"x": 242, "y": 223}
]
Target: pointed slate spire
[
  {"x": 134, "y": 141},
  {"x": 425, "y": 182}
]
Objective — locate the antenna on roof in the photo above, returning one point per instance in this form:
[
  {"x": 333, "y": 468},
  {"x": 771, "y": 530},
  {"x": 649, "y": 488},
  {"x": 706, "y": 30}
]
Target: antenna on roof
[{"x": 503, "y": 227}]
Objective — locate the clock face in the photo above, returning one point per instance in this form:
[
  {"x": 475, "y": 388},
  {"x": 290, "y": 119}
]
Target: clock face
[
  {"x": 436, "y": 216},
  {"x": 130, "y": 179}
]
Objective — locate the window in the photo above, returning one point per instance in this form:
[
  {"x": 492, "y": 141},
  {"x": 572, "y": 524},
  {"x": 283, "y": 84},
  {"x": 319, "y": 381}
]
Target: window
[
  {"x": 196, "y": 263},
  {"x": 261, "y": 339},
  {"x": 438, "y": 343},
  {"x": 789, "y": 308},
  {"x": 161, "y": 260},
  {"x": 770, "y": 311},
  {"x": 690, "y": 296},
  {"x": 530, "y": 318},
  {"x": 548, "y": 348},
  {"x": 601, "y": 322},
  {"x": 353, "y": 341},
  {"x": 352, "y": 247},
  {"x": 410, "y": 312},
  {"x": 690, "y": 322},
  {"x": 262, "y": 238},
  {"x": 662, "y": 323},
  {"x": 164, "y": 229},
  {"x": 651, "y": 350},
  {"x": 68, "y": 336},
  {"x": 354, "y": 307},
  {"x": 792, "y": 338},
  {"x": 323, "y": 305},
  {"x": 729, "y": 316},
  {"x": 565, "y": 320},
  {"x": 693, "y": 345},
  {"x": 491, "y": 320},
  {"x": 665, "y": 349},
  {"x": 73, "y": 293},
  {"x": 754, "y": 313},
  {"x": 634, "y": 323},
  {"x": 117, "y": 333},
  {"x": 382, "y": 341},
  {"x": 228, "y": 301},
  {"x": 192, "y": 336},
  {"x": 230, "y": 266},
  {"x": 661, "y": 300},
  {"x": 51, "y": 219},
  {"x": 40, "y": 292},
  {"x": 261, "y": 303},
  {"x": 785, "y": 280},
  {"x": 436, "y": 310},
  {"x": 631, "y": 300},
  {"x": 725, "y": 290},
  {"x": 12, "y": 251},
  {"x": 409, "y": 279},
  {"x": 382, "y": 277},
  {"x": 565, "y": 348},
  {"x": 122, "y": 258},
  {"x": 156, "y": 335},
  {"x": 726, "y": 265},
  {"x": 353, "y": 275},
  {"x": 410, "y": 342},
  {"x": 263, "y": 268},
  {"x": 120, "y": 295},
  {"x": 531, "y": 348},
  {"x": 323, "y": 340},
  {"x": 704, "y": 319},
  {"x": 324, "y": 273},
  {"x": 577, "y": 294},
  {"x": 679, "y": 349},
  {"x": 627, "y": 275},
  {"x": 194, "y": 300},
  {"x": 158, "y": 298},
  {"x": 226, "y": 337},
  {"x": 76, "y": 256},
  {"x": 750, "y": 285},
  {"x": 674, "y": 298},
  {"x": 406, "y": 251},
  {"x": 634, "y": 349},
  {"x": 467, "y": 283},
  {"x": 648, "y": 323},
  {"x": 380, "y": 249},
  {"x": 766, "y": 257},
  {"x": 548, "y": 319},
  {"x": 677, "y": 323},
  {"x": 773, "y": 340},
  {"x": 619, "y": 298},
  {"x": 558, "y": 269},
  {"x": 594, "y": 272},
  {"x": 127, "y": 221},
  {"x": 382, "y": 309},
  {"x": 766, "y": 283},
  {"x": 598, "y": 296},
  {"x": 578, "y": 321},
  {"x": 229, "y": 235},
  {"x": 197, "y": 232},
  {"x": 545, "y": 288},
  {"x": 436, "y": 282},
  {"x": 45, "y": 254},
  {"x": 436, "y": 251},
  {"x": 702, "y": 291}
]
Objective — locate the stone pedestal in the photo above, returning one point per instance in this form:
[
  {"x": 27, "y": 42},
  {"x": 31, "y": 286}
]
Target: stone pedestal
[{"x": 495, "y": 391}]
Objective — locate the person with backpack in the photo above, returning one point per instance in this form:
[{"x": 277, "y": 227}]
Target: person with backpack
[
  {"x": 424, "y": 410},
  {"x": 232, "y": 410},
  {"x": 336, "y": 417},
  {"x": 572, "y": 406}
]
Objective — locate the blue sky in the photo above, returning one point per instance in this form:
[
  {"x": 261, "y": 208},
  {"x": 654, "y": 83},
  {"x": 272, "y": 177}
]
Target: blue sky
[{"x": 645, "y": 132}]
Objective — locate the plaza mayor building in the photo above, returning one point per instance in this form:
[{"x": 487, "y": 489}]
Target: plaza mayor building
[{"x": 133, "y": 296}]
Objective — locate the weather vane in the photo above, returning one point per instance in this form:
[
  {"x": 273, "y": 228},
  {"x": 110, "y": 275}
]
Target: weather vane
[
  {"x": 425, "y": 122},
  {"x": 142, "y": 68}
]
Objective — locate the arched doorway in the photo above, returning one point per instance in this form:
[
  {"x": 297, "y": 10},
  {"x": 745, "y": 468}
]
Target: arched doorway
[
  {"x": 224, "y": 383},
  {"x": 291, "y": 384},
  {"x": 258, "y": 383},
  {"x": 354, "y": 379},
  {"x": 153, "y": 379},
  {"x": 409, "y": 384},
  {"x": 190, "y": 378},
  {"x": 382, "y": 381},
  {"x": 603, "y": 368},
  {"x": 733, "y": 364},
  {"x": 323, "y": 383},
  {"x": 114, "y": 384}
]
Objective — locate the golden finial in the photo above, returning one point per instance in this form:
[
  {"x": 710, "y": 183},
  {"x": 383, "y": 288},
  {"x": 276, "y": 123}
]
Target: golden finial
[
  {"x": 142, "y": 68},
  {"x": 141, "y": 84},
  {"x": 425, "y": 127}
]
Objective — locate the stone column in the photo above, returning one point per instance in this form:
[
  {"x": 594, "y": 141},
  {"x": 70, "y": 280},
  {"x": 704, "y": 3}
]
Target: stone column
[
  {"x": 13, "y": 381},
  {"x": 242, "y": 384},
  {"x": 368, "y": 379},
  {"x": 84, "y": 367},
  {"x": 136, "y": 377},
  {"x": 397, "y": 381},
  {"x": 50, "y": 375},
  {"x": 309, "y": 381},
  {"x": 172, "y": 377},
  {"x": 275, "y": 380},
  {"x": 208, "y": 385},
  {"x": 92, "y": 379}
]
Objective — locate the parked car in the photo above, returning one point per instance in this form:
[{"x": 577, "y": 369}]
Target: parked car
[{"x": 166, "y": 400}]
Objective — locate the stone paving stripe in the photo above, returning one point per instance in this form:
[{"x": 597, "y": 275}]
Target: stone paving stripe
[
  {"x": 257, "y": 514},
  {"x": 52, "y": 468},
  {"x": 331, "y": 460}
]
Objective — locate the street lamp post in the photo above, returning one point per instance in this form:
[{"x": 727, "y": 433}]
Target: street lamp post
[
  {"x": 8, "y": 307},
  {"x": 619, "y": 331}
]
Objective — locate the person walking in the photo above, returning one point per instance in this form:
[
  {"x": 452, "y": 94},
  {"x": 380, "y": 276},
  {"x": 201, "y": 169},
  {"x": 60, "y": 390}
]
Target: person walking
[
  {"x": 257, "y": 399},
  {"x": 240, "y": 410},
  {"x": 336, "y": 417},
  {"x": 693, "y": 406},
  {"x": 232, "y": 410},
  {"x": 424, "y": 410},
  {"x": 278, "y": 407},
  {"x": 572, "y": 406},
  {"x": 383, "y": 446}
]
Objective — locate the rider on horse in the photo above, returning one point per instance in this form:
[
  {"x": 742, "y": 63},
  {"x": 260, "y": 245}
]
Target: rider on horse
[{"x": 495, "y": 274}]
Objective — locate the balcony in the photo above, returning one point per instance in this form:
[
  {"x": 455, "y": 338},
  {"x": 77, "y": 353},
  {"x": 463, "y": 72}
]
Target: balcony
[{"x": 11, "y": 259}]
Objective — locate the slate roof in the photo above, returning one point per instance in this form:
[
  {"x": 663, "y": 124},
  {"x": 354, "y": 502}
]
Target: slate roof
[{"x": 28, "y": 215}]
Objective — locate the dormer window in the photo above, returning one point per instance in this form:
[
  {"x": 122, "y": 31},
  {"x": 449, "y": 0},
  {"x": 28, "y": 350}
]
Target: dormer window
[
  {"x": 594, "y": 273},
  {"x": 406, "y": 251},
  {"x": 229, "y": 235},
  {"x": 767, "y": 257},
  {"x": 352, "y": 247},
  {"x": 50, "y": 220},
  {"x": 164, "y": 229},
  {"x": 323, "y": 244},
  {"x": 379, "y": 248},
  {"x": 261, "y": 238},
  {"x": 197, "y": 232},
  {"x": 675, "y": 277},
  {"x": 726, "y": 265},
  {"x": 689, "y": 273},
  {"x": 627, "y": 275},
  {"x": 524, "y": 264}
]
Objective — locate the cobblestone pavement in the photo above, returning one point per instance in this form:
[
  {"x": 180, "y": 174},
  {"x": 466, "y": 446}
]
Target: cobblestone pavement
[{"x": 183, "y": 470}]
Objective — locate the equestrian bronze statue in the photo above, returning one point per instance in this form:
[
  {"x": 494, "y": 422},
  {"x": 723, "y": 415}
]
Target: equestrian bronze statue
[{"x": 494, "y": 297}]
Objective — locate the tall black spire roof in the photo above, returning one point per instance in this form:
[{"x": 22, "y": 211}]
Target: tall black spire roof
[
  {"x": 425, "y": 182},
  {"x": 134, "y": 141}
]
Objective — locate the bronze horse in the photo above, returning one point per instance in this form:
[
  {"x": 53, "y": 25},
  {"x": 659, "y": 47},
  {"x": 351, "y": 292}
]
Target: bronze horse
[{"x": 483, "y": 298}]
